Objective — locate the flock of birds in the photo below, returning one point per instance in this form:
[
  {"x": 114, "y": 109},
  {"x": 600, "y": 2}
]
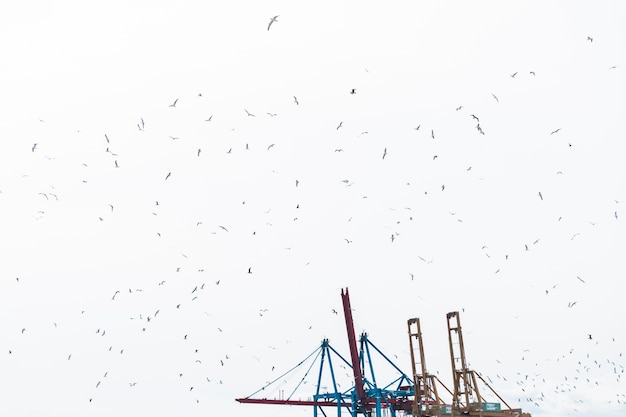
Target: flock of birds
[{"x": 190, "y": 277}]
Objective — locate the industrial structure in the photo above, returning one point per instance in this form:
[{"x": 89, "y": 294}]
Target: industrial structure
[{"x": 418, "y": 395}]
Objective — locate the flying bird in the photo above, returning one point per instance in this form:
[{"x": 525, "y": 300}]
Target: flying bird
[
  {"x": 34, "y": 147},
  {"x": 340, "y": 124},
  {"x": 353, "y": 91},
  {"x": 555, "y": 131},
  {"x": 589, "y": 38},
  {"x": 168, "y": 175},
  {"x": 513, "y": 75},
  {"x": 540, "y": 196},
  {"x": 272, "y": 20},
  {"x": 249, "y": 114},
  {"x": 295, "y": 99},
  {"x": 384, "y": 153},
  {"x": 174, "y": 103},
  {"x": 496, "y": 98}
]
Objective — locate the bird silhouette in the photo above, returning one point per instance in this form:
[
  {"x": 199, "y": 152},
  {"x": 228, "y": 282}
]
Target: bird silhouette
[
  {"x": 272, "y": 20},
  {"x": 168, "y": 175},
  {"x": 174, "y": 103}
]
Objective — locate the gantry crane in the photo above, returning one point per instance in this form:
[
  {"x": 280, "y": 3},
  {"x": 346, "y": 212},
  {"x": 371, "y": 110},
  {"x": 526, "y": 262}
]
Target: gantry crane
[
  {"x": 366, "y": 397},
  {"x": 467, "y": 399},
  {"x": 426, "y": 401}
]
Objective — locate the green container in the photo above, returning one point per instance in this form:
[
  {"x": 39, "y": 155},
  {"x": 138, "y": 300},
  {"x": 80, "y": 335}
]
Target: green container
[
  {"x": 488, "y": 406},
  {"x": 446, "y": 409}
]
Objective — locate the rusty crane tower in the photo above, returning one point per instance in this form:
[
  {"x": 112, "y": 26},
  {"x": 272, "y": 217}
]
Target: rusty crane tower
[{"x": 467, "y": 399}]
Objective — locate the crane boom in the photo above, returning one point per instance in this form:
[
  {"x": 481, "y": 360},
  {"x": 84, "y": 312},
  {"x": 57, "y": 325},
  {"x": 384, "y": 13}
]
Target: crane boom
[{"x": 354, "y": 354}]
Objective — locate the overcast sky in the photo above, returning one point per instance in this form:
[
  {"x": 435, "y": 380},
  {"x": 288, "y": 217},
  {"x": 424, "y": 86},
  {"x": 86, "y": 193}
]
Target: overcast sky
[{"x": 184, "y": 193}]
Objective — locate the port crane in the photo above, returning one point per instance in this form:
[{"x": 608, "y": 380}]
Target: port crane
[
  {"x": 402, "y": 396},
  {"x": 367, "y": 397},
  {"x": 426, "y": 401},
  {"x": 467, "y": 399}
]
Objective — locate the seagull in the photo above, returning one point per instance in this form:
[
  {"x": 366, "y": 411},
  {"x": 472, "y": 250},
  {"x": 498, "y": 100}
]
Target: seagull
[
  {"x": 34, "y": 147},
  {"x": 384, "y": 153},
  {"x": 532, "y": 73},
  {"x": 353, "y": 91},
  {"x": 496, "y": 98},
  {"x": 581, "y": 280},
  {"x": 116, "y": 165},
  {"x": 432, "y": 133},
  {"x": 340, "y": 124},
  {"x": 272, "y": 20},
  {"x": 106, "y": 137},
  {"x": 555, "y": 131},
  {"x": 168, "y": 175},
  {"x": 589, "y": 38},
  {"x": 174, "y": 103},
  {"x": 295, "y": 99},
  {"x": 459, "y": 108},
  {"x": 199, "y": 150},
  {"x": 540, "y": 196},
  {"x": 249, "y": 114},
  {"x": 474, "y": 117},
  {"x": 513, "y": 75}
]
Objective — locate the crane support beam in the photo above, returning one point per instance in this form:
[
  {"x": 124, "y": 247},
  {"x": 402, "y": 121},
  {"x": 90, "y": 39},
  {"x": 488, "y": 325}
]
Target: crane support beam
[{"x": 354, "y": 354}]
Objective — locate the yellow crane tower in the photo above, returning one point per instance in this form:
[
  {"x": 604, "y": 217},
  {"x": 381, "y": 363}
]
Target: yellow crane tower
[
  {"x": 426, "y": 401},
  {"x": 467, "y": 400}
]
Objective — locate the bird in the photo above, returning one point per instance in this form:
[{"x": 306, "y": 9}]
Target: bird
[
  {"x": 249, "y": 270},
  {"x": 340, "y": 124},
  {"x": 459, "y": 108},
  {"x": 199, "y": 150},
  {"x": 496, "y": 98},
  {"x": 432, "y": 133},
  {"x": 34, "y": 147},
  {"x": 116, "y": 164},
  {"x": 272, "y": 20},
  {"x": 249, "y": 114},
  {"x": 589, "y": 337},
  {"x": 513, "y": 75},
  {"x": 555, "y": 131},
  {"x": 168, "y": 175},
  {"x": 589, "y": 38},
  {"x": 353, "y": 91},
  {"x": 540, "y": 196},
  {"x": 295, "y": 99},
  {"x": 174, "y": 103},
  {"x": 384, "y": 153},
  {"x": 116, "y": 292},
  {"x": 580, "y": 279}
]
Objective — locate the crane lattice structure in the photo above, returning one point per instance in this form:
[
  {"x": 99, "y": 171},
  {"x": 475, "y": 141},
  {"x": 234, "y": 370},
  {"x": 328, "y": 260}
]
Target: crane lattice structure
[
  {"x": 366, "y": 397},
  {"x": 467, "y": 399},
  {"x": 426, "y": 401}
]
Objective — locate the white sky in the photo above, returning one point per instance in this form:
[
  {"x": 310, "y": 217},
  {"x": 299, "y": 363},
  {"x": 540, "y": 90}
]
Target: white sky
[{"x": 74, "y": 71}]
